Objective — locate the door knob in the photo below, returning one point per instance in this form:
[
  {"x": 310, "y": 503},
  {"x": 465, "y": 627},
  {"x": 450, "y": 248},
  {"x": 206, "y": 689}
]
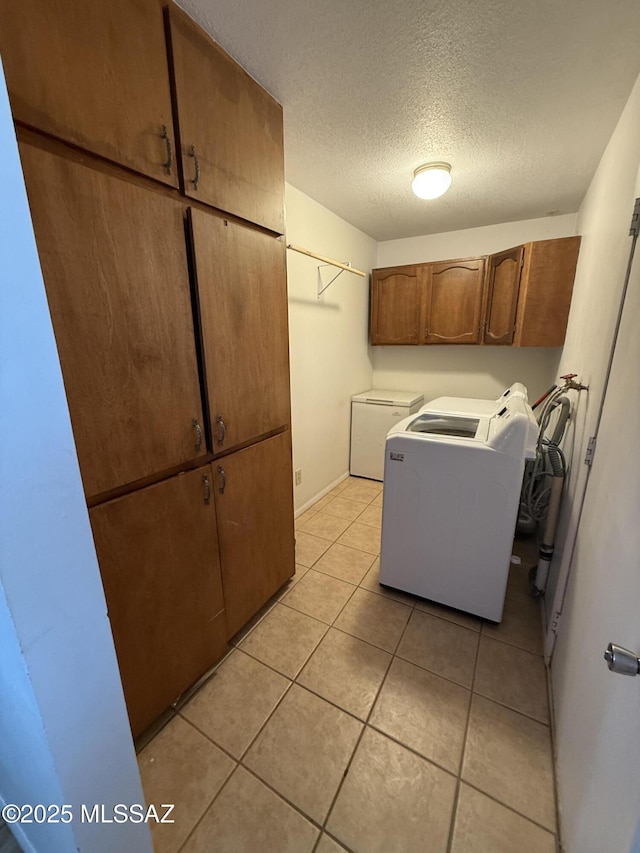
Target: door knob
[{"x": 621, "y": 660}]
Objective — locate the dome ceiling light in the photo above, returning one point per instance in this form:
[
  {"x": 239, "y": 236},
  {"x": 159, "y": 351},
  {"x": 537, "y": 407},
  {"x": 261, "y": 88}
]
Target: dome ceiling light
[{"x": 432, "y": 180}]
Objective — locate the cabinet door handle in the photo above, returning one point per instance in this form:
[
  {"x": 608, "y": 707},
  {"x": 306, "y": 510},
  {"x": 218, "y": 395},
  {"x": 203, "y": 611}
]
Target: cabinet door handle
[
  {"x": 167, "y": 140},
  {"x": 198, "y": 430},
  {"x": 207, "y": 488},
  {"x": 223, "y": 480},
  {"x": 222, "y": 429},
  {"x": 196, "y": 164}
]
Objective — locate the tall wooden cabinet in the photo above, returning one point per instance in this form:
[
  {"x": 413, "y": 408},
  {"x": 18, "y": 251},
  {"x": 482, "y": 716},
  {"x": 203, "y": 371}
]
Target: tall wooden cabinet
[
  {"x": 243, "y": 314},
  {"x": 158, "y": 550},
  {"x": 230, "y": 129},
  {"x": 169, "y": 307},
  {"x": 94, "y": 74},
  {"x": 114, "y": 261},
  {"x": 256, "y": 542}
]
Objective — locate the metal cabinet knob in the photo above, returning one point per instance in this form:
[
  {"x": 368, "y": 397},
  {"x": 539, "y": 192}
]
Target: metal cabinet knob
[{"x": 621, "y": 660}]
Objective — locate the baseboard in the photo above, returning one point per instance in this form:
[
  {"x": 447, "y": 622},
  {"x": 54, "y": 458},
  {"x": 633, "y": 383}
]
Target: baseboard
[{"x": 321, "y": 494}]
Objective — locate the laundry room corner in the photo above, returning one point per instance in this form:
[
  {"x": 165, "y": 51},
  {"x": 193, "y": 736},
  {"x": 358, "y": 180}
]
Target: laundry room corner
[{"x": 328, "y": 340}]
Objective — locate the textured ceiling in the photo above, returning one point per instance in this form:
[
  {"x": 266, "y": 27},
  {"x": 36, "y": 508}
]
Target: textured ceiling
[{"x": 520, "y": 97}]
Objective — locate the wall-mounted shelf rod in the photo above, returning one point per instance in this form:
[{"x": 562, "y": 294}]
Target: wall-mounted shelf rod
[{"x": 330, "y": 261}]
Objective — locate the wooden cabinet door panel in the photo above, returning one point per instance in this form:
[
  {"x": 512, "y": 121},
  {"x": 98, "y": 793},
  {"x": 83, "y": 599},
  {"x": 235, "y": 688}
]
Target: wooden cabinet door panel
[
  {"x": 242, "y": 296},
  {"x": 454, "y": 302},
  {"x": 230, "y": 129},
  {"x": 254, "y": 503},
  {"x": 395, "y": 304},
  {"x": 115, "y": 269},
  {"x": 545, "y": 293},
  {"x": 93, "y": 73},
  {"x": 158, "y": 555},
  {"x": 503, "y": 283}
]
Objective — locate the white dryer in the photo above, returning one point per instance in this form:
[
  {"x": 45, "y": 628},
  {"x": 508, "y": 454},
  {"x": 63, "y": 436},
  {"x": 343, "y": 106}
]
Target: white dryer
[
  {"x": 473, "y": 406},
  {"x": 450, "y": 504}
]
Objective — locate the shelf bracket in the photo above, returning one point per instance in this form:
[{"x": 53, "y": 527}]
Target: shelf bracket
[
  {"x": 329, "y": 262},
  {"x": 322, "y": 287}
]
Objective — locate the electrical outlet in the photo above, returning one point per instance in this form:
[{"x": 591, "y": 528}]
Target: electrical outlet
[{"x": 298, "y": 476}]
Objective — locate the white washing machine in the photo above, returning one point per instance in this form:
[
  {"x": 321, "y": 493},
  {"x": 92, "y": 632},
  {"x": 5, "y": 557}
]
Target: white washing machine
[
  {"x": 373, "y": 413},
  {"x": 470, "y": 405},
  {"x": 450, "y": 504}
]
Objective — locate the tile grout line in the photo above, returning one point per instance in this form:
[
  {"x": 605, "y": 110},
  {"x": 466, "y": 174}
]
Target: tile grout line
[
  {"x": 456, "y": 796},
  {"x": 412, "y": 607},
  {"x": 364, "y": 727},
  {"x": 554, "y": 751},
  {"x": 367, "y": 723},
  {"x": 306, "y": 660},
  {"x": 510, "y": 808},
  {"x": 238, "y": 761},
  {"x": 511, "y": 644}
]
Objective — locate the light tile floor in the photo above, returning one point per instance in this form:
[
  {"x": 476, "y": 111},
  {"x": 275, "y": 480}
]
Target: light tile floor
[{"x": 353, "y": 717}]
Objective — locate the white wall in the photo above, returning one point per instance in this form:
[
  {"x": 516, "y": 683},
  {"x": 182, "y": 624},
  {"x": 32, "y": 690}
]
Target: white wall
[
  {"x": 603, "y": 221},
  {"x": 598, "y": 714},
  {"x": 64, "y": 733},
  {"x": 472, "y": 242},
  {"x": 328, "y": 340},
  {"x": 467, "y": 371},
  {"x": 459, "y": 371}
]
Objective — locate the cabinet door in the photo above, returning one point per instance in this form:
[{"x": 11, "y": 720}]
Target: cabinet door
[
  {"x": 453, "y": 302},
  {"x": 254, "y": 502},
  {"x": 242, "y": 296},
  {"x": 230, "y": 129},
  {"x": 95, "y": 74},
  {"x": 395, "y": 304},
  {"x": 545, "y": 293},
  {"x": 158, "y": 555},
  {"x": 115, "y": 269},
  {"x": 503, "y": 283}
]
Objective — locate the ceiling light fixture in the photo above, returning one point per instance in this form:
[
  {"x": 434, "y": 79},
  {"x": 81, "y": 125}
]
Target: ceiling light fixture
[{"x": 432, "y": 180}]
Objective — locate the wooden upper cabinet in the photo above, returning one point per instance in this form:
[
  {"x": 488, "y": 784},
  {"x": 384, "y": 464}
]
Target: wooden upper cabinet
[
  {"x": 545, "y": 292},
  {"x": 231, "y": 133},
  {"x": 503, "y": 283},
  {"x": 254, "y": 503},
  {"x": 242, "y": 300},
  {"x": 115, "y": 270},
  {"x": 95, "y": 74},
  {"x": 396, "y": 294},
  {"x": 158, "y": 555},
  {"x": 453, "y": 302}
]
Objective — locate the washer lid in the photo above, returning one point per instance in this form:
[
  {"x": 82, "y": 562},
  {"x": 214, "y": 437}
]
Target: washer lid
[
  {"x": 474, "y": 406},
  {"x": 443, "y": 425},
  {"x": 389, "y": 398}
]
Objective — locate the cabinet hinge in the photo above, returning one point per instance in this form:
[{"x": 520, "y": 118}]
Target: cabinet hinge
[
  {"x": 634, "y": 228},
  {"x": 555, "y": 621},
  {"x": 591, "y": 450}
]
